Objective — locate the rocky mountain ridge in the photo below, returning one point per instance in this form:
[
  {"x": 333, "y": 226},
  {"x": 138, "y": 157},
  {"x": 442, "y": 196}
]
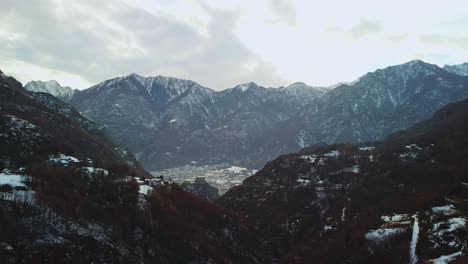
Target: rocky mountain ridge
[
  {"x": 51, "y": 87},
  {"x": 49, "y": 125},
  {"x": 460, "y": 69},
  {"x": 169, "y": 122}
]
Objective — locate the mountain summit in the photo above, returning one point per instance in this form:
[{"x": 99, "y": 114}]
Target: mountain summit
[
  {"x": 171, "y": 122},
  {"x": 380, "y": 103},
  {"x": 460, "y": 69},
  {"x": 52, "y": 87}
]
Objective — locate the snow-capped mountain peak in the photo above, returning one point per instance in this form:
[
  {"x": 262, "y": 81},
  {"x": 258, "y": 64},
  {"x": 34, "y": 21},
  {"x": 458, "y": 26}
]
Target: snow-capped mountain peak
[
  {"x": 460, "y": 69},
  {"x": 239, "y": 124},
  {"x": 64, "y": 93},
  {"x": 245, "y": 86},
  {"x": 406, "y": 71},
  {"x": 296, "y": 85},
  {"x": 302, "y": 85}
]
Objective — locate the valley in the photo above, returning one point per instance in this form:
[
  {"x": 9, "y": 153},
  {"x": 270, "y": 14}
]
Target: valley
[
  {"x": 367, "y": 168},
  {"x": 221, "y": 176},
  {"x": 233, "y": 132}
]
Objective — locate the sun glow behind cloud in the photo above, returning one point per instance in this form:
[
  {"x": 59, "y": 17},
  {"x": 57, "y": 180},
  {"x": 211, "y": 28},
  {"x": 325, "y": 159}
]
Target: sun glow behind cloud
[{"x": 223, "y": 43}]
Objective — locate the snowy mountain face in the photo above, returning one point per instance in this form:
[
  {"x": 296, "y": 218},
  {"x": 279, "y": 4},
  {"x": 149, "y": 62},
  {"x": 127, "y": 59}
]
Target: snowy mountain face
[
  {"x": 52, "y": 87},
  {"x": 380, "y": 103},
  {"x": 169, "y": 122},
  {"x": 460, "y": 69},
  {"x": 133, "y": 109}
]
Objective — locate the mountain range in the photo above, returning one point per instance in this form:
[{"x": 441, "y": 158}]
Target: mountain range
[
  {"x": 69, "y": 193},
  {"x": 169, "y": 122}
]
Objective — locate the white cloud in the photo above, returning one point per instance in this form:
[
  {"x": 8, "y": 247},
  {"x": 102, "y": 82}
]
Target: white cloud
[
  {"x": 285, "y": 10},
  {"x": 365, "y": 27},
  {"x": 223, "y": 43},
  {"x": 97, "y": 40},
  {"x": 29, "y": 72}
]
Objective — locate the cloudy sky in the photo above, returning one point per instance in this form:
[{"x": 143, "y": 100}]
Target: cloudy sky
[{"x": 223, "y": 43}]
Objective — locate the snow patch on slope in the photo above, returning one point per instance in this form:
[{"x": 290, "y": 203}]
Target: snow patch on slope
[
  {"x": 14, "y": 180},
  {"x": 414, "y": 241}
]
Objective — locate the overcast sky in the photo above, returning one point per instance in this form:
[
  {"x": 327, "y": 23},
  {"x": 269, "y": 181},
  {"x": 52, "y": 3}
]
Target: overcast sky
[{"x": 223, "y": 43}]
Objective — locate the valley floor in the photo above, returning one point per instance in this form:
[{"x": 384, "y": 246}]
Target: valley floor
[{"x": 221, "y": 176}]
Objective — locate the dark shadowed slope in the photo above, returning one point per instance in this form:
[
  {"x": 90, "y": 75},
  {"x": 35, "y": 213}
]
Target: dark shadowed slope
[
  {"x": 76, "y": 201},
  {"x": 361, "y": 201},
  {"x": 57, "y": 126}
]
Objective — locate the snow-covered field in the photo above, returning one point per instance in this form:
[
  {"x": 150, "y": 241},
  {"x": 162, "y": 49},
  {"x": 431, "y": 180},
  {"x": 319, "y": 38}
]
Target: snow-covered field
[
  {"x": 20, "y": 193},
  {"x": 144, "y": 189},
  {"x": 14, "y": 180},
  {"x": 63, "y": 159},
  {"x": 380, "y": 235}
]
